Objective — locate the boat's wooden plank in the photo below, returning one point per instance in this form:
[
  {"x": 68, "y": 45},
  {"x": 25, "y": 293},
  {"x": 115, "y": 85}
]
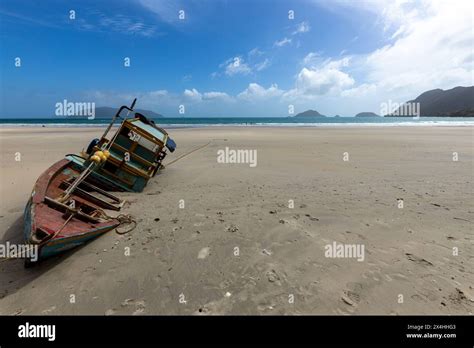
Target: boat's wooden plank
[
  {"x": 133, "y": 155},
  {"x": 65, "y": 207},
  {"x": 51, "y": 220},
  {"x": 115, "y": 205},
  {"x": 103, "y": 192}
]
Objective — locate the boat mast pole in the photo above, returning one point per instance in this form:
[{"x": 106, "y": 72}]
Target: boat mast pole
[
  {"x": 117, "y": 115},
  {"x": 76, "y": 183},
  {"x": 87, "y": 171}
]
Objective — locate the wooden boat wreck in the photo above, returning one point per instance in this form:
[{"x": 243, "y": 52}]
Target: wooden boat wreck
[{"x": 69, "y": 201}]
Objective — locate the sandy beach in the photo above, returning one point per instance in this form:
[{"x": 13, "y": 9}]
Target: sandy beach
[{"x": 252, "y": 239}]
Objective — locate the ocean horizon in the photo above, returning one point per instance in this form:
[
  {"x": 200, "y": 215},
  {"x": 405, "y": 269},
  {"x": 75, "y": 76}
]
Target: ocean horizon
[{"x": 190, "y": 122}]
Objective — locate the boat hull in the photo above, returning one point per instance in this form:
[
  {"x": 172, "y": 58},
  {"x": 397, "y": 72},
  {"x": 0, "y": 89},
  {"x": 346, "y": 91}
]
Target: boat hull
[{"x": 48, "y": 226}]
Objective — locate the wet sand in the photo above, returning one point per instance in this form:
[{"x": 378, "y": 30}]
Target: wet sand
[{"x": 240, "y": 247}]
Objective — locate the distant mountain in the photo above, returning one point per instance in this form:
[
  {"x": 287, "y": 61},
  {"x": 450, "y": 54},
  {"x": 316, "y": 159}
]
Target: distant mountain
[
  {"x": 337, "y": 116},
  {"x": 309, "y": 113},
  {"x": 455, "y": 102},
  {"x": 108, "y": 112},
  {"x": 366, "y": 114}
]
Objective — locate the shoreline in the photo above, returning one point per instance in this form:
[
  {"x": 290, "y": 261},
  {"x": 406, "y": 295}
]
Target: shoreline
[{"x": 6, "y": 126}]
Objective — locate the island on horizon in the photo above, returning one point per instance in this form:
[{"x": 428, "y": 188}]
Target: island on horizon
[
  {"x": 454, "y": 102},
  {"x": 367, "y": 114},
  {"x": 309, "y": 113}
]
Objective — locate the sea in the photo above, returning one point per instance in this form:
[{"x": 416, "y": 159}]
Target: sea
[{"x": 194, "y": 122}]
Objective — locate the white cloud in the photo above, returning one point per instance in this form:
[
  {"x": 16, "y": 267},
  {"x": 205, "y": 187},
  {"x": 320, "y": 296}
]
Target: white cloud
[
  {"x": 303, "y": 27},
  {"x": 196, "y": 96},
  {"x": 315, "y": 60},
  {"x": 158, "y": 93},
  {"x": 154, "y": 99},
  {"x": 236, "y": 65},
  {"x": 126, "y": 25},
  {"x": 255, "y": 52},
  {"x": 255, "y": 92},
  {"x": 429, "y": 44},
  {"x": 337, "y": 64},
  {"x": 390, "y": 13},
  {"x": 362, "y": 90},
  {"x": 322, "y": 81},
  {"x": 192, "y": 94},
  {"x": 97, "y": 21},
  {"x": 262, "y": 65},
  {"x": 168, "y": 11},
  {"x": 311, "y": 59},
  {"x": 221, "y": 96},
  {"x": 282, "y": 42},
  {"x": 434, "y": 50}
]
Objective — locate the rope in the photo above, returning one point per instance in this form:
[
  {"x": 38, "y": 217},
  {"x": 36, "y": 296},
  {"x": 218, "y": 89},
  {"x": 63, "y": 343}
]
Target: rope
[
  {"x": 125, "y": 219},
  {"x": 188, "y": 153}
]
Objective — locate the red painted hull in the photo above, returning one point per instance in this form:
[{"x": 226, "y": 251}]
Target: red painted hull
[{"x": 47, "y": 225}]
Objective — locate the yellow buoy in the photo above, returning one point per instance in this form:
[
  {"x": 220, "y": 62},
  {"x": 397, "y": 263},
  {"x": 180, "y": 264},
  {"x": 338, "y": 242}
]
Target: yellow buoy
[
  {"x": 103, "y": 157},
  {"x": 106, "y": 153},
  {"x": 98, "y": 153},
  {"x": 95, "y": 158}
]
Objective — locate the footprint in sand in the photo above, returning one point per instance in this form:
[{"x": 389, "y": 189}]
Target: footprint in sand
[
  {"x": 273, "y": 277},
  {"x": 418, "y": 260},
  {"x": 418, "y": 298},
  {"x": 49, "y": 310},
  {"x": 140, "y": 308},
  {"x": 458, "y": 297},
  {"x": 312, "y": 218},
  {"x": 140, "y": 305},
  {"x": 352, "y": 293},
  {"x": 232, "y": 228}
]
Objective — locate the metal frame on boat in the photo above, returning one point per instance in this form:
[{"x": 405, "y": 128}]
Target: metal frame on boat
[{"x": 137, "y": 150}]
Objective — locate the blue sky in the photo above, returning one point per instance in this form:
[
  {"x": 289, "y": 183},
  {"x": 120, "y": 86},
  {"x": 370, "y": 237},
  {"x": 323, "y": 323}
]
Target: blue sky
[{"x": 231, "y": 58}]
